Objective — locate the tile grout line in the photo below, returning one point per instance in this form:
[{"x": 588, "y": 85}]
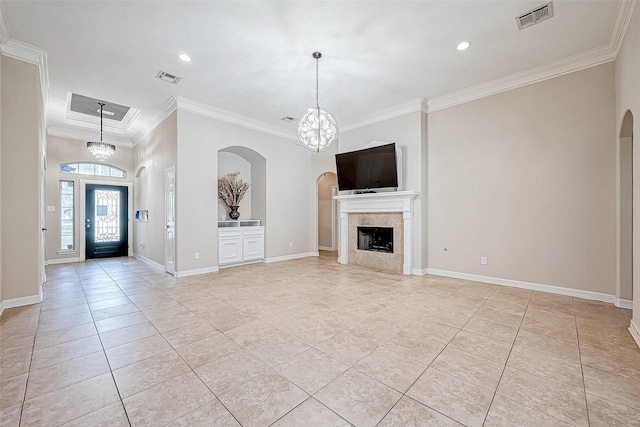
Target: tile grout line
[
  {"x": 584, "y": 384},
  {"x": 507, "y": 359},
  {"x": 106, "y": 358}
]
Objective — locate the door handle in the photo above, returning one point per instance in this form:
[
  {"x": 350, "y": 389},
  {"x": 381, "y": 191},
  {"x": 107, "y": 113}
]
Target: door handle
[{"x": 44, "y": 229}]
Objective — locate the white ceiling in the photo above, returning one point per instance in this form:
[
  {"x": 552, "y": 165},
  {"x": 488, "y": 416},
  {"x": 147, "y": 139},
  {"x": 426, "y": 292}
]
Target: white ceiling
[{"x": 254, "y": 58}]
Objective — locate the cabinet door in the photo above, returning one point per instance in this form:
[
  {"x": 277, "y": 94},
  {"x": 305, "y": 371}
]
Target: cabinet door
[
  {"x": 230, "y": 250},
  {"x": 252, "y": 247}
]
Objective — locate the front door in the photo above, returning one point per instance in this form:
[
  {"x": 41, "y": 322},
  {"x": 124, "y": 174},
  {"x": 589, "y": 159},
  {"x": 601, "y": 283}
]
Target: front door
[{"x": 106, "y": 221}]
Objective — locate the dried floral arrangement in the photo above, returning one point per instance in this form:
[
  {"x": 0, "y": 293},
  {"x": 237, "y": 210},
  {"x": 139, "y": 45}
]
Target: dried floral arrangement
[{"x": 231, "y": 189}]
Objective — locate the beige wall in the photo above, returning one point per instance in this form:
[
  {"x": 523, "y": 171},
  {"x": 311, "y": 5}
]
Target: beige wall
[
  {"x": 406, "y": 132},
  {"x": 289, "y": 190},
  {"x": 625, "y": 214},
  {"x": 155, "y": 153},
  {"x": 628, "y": 98},
  {"x": 65, "y": 150},
  {"x": 21, "y": 177},
  {"x": 326, "y": 216},
  {"x": 527, "y": 179},
  {"x": 1, "y": 200}
]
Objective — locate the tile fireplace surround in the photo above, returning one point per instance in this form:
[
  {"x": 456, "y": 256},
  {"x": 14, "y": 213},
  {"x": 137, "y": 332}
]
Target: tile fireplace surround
[{"x": 377, "y": 203}]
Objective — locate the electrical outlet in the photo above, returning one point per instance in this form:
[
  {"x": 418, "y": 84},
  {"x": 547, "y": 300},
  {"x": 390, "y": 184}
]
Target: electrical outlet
[
  {"x": 51, "y": 208},
  {"x": 483, "y": 260},
  {"x": 290, "y": 244},
  {"x": 196, "y": 255}
]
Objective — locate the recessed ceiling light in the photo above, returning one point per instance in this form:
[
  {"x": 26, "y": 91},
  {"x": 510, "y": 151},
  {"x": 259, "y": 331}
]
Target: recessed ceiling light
[
  {"x": 184, "y": 57},
  {"x": 463, "y": 46}
]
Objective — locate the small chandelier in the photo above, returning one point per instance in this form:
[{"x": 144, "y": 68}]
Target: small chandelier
[
  {"x": 317, "y": 128},
  {"x": 101, "y": 150}
]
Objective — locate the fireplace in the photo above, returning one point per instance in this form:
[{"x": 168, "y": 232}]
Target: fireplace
[
  {"x": 375, "y": 239},
  {"x": 392, "y": 209}
]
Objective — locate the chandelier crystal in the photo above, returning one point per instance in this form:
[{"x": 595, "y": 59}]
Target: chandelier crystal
[
  {"x": 102, "y": 150},
  {"x": 317, "y": 128}
]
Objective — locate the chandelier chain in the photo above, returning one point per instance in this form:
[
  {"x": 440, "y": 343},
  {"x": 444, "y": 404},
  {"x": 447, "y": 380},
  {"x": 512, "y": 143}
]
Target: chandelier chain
[{"x": 101, "y": 106}]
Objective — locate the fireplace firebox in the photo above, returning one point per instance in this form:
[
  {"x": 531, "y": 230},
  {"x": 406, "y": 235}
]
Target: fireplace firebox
[{"x": 376, "y": 239}]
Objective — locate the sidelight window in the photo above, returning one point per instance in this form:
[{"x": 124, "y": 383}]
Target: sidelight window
[{"x": 66, "y": 216}]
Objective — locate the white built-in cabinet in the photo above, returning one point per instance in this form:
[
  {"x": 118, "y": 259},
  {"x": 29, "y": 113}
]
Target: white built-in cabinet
[{"x": 240, "y": 241}]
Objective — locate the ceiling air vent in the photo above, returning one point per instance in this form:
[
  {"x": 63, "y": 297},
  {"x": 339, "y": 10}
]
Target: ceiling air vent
[
  {"x": 534, "y": 16},
  {"x": 288, "y": 119},
  {"x": 164, "y": 76}
]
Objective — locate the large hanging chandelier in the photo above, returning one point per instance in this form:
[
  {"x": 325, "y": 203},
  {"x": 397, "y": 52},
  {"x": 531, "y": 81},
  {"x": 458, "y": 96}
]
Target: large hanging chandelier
[
  {"x": 317, "y": 128},
  {"x": 101, "y": 150}
]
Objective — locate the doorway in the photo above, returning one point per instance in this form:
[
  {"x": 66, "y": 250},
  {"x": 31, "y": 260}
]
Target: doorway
[
  {"x": 625, "y": 212},
  {"x": 327, "y": 217},
  {"x": 106, "y": 221}
]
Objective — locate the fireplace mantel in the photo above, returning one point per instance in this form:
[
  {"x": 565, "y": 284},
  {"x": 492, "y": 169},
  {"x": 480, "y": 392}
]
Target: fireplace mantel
[{"x": 393, "y": 201}]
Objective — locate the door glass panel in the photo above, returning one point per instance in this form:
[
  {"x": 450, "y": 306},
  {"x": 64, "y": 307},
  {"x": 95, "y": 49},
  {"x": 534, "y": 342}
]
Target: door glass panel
[{"x": 107, "y": 218}]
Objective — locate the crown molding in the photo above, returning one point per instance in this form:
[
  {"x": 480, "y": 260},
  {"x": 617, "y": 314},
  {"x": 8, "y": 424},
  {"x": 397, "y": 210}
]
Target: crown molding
[
  {"x": 22, "y": 51},
  {"x": 558, "y": 68},
  {"x": 418, "y": 104},
  {"x": 86, "y": 136},
  {"x": 184, "y": 104},
  {"x": 624, "y": 13},
  {"x": 570, "y": 64},
  {"x": 169, "y": 107}
]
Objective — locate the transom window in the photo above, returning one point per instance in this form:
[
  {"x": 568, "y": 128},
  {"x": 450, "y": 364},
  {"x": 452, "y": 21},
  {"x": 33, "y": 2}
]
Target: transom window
[{"x": 96, "y": 169}]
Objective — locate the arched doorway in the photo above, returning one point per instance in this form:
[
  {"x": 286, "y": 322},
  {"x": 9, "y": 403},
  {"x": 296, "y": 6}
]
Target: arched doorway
[
  {"x": 327, "y": 218},
  {"x": 624, "y": 291}
]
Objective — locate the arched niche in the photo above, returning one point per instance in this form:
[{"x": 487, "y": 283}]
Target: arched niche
[
  {"x": 624, "y": 288},
  {"x": 327, "y": 185},
  {"x": 253, "y": 169},
  {"x": 139, "y": 182}
]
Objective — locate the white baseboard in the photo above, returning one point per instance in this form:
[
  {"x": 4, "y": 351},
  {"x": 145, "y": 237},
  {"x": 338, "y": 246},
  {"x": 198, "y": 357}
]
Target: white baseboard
[
  {"x": 597, "y": 296},
  {"x": 19, "y": 302},
  {"x": 290, "y": 257},
  {"x": 326, "y": 248},
  {"x": 149, "y": 262},
  {"x": 240, "y": 264},
  {"x": 62, "y": 260},
  {"x": 197, "y": 271},
  {"x": 624, "y": 303},
  {"x": 419, "y": 271},
  {"x": 635, "y": 332}
]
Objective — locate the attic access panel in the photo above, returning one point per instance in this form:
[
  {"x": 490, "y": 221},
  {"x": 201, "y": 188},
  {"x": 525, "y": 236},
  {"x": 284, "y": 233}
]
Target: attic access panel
[{"x": 85, "y": 105}]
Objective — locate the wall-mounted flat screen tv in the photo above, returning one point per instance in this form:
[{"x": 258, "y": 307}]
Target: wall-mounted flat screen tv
[{"x": 365, "y": 169}]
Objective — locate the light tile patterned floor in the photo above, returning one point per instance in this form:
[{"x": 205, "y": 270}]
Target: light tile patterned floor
[{"x": 310, "y": 342}]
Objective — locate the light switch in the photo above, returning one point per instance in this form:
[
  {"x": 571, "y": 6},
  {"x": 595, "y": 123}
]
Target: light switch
[{"x": 51, "y": 208}]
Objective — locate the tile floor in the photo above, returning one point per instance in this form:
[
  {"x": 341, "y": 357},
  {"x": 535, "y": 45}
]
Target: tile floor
[{"x": 310, "y": 342}]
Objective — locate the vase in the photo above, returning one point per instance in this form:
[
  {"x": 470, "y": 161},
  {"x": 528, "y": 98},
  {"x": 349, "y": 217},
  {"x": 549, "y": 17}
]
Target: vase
[{"x": 233, "y": 213}]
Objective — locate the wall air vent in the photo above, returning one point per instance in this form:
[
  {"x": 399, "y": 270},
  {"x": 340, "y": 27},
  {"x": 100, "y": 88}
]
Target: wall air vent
[
  {"x": 164, "y": 76},
  {"x": 535, "y": 16}
]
